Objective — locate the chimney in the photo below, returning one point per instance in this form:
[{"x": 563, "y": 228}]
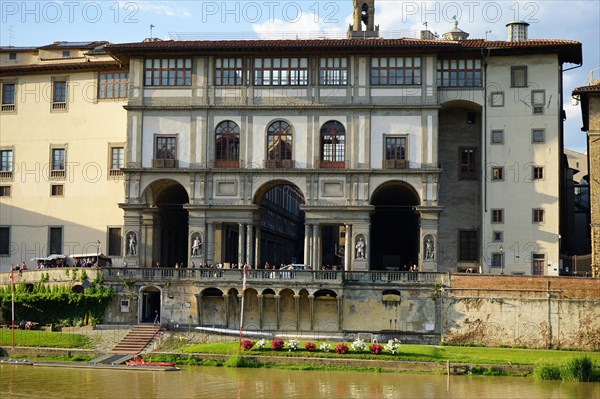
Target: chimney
[{"x": 517, "y": 31}]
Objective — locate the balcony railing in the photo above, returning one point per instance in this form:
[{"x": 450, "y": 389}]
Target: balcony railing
[
  {"x": 59, "y": 106},
  {"x": 333, "y": 165},
  {"x": 6, "y": 175},
  {"x": 57, "y": 174},
  {"x": 8, "y": 107},
  {"x": 165, "y": 163},
  {"x": 279, "y": 163}
]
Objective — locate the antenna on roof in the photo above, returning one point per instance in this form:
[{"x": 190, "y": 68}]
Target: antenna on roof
[
  {"x": 10, "y": 35},
  {"x": 151, "y": 26},
  {"x": 486, "y": 33}
]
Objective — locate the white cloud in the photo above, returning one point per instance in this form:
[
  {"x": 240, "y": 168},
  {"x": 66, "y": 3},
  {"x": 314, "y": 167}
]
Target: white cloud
[
  {"x": 305, "y": 26},
  {"x": 157, "y": 8}
]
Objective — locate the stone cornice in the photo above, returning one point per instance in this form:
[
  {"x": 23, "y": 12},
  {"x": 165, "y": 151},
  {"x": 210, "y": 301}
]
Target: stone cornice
[{"x": 278, "y": 107}]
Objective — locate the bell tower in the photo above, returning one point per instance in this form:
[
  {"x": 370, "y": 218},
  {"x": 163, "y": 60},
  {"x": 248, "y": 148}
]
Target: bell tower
[{"x": 364, "y": 20}]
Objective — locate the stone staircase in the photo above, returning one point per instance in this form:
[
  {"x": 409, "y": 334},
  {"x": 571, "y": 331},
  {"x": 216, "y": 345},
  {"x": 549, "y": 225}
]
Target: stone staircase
[{"x": 136, "y": 340}]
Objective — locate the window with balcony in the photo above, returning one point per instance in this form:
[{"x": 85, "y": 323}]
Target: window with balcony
[
  {"x": 281, "y": 71},
  {"x": 59, "y": 95},
  {"x": 468, "y": 164},
  {"x": 228, "y": 72},
  {"x": 459, "y": 73},
  {"x": 333, "y": 71},
  {"x": 403, "y": 71},
  {"x": 227, "y": 145},
  {"x": 117, "y": 160},
  {"x": 279, "y": 145},
  {"x": 395, "y": 152},
  {"x": 57, "y": 163},
  {"x": 112, "y": 85},
  {"x": 333, "y": 142},
  {"x": 168, "y": 72},
  {"x": 518, "y": 76},
  {"x": 6, "y": 164},
  {"x": 8, "y": 97},
  {"x": 165, "y": 152}
]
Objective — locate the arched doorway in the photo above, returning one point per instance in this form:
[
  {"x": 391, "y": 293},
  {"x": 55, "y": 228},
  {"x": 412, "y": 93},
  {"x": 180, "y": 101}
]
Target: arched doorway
[
  {"x": 172, "y": 235},
  {"x": 281, "y": 224},
  {"x": 394, "y": 227},
  {"x": 150, "y": 302}
]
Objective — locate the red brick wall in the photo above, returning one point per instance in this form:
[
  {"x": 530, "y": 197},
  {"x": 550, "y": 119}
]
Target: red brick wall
[{"x": 521, "y": 286}]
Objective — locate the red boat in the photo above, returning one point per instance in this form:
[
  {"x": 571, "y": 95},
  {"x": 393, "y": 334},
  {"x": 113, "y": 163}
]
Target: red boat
[{"x": 138, "y": 361}]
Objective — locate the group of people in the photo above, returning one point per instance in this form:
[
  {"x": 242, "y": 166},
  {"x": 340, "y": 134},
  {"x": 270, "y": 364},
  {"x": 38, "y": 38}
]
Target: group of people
[{"x": 19, "y": 268}]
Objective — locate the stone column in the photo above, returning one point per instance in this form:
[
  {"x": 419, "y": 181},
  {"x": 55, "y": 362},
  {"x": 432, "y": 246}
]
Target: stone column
[
  {"x": 348, "y": 248},
  {"x": 311, "y": 307},
  {"x": 226, "y": 301},
  {"x": 277, "y": 310},
  {"x": 149, "y": 239},
  {"x": 340, "y": 309},
  {"x": 307, "y": 244},
  {"x": 315, "y": 247},
  {"x": 297, "y": 308},
  {"x": 249, "y": 246},
  {"x": 210, "y": 243},
  {"x": 260, "y": 310},
  {"x": 257, "y": 238},
  {"x": 199, "y": 308},
  {"x": 241, "y": 243}
]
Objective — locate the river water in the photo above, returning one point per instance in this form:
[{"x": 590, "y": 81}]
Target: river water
[{"x": 19, "y": 381}]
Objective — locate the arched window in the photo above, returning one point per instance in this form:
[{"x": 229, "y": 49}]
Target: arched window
[
  {"x": 279, "y": 141},
  {"x": 227, "y": 145},
  {"x": 333, "y": 145}
]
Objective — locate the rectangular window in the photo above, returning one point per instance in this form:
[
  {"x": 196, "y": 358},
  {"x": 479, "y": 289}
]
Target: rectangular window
[
  {"x": 498, "y": 236},
  {"x": 168, "y": 72},
  {"x": 497, "y": 173},
  {"x": 537, "y": 172},
  {"x": 112, "y": 85},
  {"x": 395, "y": 148},
  {"x": 389, "y": 71},
  {"x": 468, "y": 163},
  {"x": 57, "y": 190},
  {"x": 228, "y": 72},
  {"x": 497, "y": 136},
  {"x": 281, "y": 71},
  {"x": 333, "y": 71},
  {"x": 497, "y": 259},
  {"x": 459, "y": 73},
  {"x": 55, "y": 240},
  {"x": 116, "y": 161},
  {"x": 12, "y": 56},
  {"x": 538, "y": 99},
  {"x": 6, "y": 164},
  {"x": 8, "y": 97},
  {"x": 538, "y": 136},
  {"x": 114, "y": 241},
  {"x": 165, "y": 152},
  {"x": 467, "y": 248},
  {"x": 59, "y": 95},
  {"x": 497, "y": 99},
  {"x": 4, "y": 191},
  {"x": 4, "y": 240},
  {"x": 66, "y": 53},
  {"x": 538, "y": 216},
  {"x": 497, "y": 215},
  {"x": 518, "y": 76},
  {"x": 57, "y": 164}
]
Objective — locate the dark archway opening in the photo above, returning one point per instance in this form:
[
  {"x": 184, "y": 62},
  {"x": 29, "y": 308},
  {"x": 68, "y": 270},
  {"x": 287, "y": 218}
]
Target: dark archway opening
[
  {"x": 150, "y": 305},
  {"x": 394, "y": 227},
  {"x": 173, "y": 219},
  {"x": 281, "y": 224}
]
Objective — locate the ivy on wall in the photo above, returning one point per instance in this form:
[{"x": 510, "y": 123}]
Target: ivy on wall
[{"x": 57, "y": 305}]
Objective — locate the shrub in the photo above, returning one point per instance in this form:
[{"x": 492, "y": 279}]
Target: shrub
[
  {"x": 309, "y": 346},
  {"x": 578, "y": 369},
  {"x": 358, "y": 345},
  {"x": 293, "y": 344},
  {"x": 260, "y": 344},
  {"x": 247, "y": 344},
  {"x": 325, "y": 347},
  {"x": 341, "y": 348},
  {"x": 277, "y": 344},
  {"x": 393, "y": 346},
  {"x": 546, "y": 372},
  {"x": 376, "y": 349}
]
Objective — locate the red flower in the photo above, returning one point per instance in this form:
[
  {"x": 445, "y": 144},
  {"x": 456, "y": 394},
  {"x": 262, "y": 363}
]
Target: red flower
[
  {"x": 309, "y": 346},
  {"x": 376, "y": 349},
  {"x": 247, "y": 344},
  {"x": 277, "y": 344},
  {"x": 341, "y": 348}
]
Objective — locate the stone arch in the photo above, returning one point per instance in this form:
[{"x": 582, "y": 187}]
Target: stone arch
[
  {"x": 325, "y": 310},
  {"x": 212, "y": 307},
  {"x": 304, "y": 309},
  {"x": 395, "y": 205},
  {"x": 251, "y": 309},
  {"x": 150, "y": 303},
  {"x": 287, "y": 310},
  {"x": 151, "y": 190}
]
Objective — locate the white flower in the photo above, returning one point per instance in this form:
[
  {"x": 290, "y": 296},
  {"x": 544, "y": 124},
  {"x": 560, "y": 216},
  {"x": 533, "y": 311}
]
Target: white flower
[
  {"x": 293, "y": 344},
  {"x": 325, "y": 347},
  {"x": 358, "y": 345},
  {"x": 393, "y": 346},
  {"x": 260, "y": 344}
]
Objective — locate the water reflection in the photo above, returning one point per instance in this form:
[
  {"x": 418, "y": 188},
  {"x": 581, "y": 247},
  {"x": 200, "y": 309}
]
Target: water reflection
[{"x": 209, "y": 382}]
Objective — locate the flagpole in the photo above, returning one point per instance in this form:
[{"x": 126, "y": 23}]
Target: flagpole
[{"x": 242, "y": 307}]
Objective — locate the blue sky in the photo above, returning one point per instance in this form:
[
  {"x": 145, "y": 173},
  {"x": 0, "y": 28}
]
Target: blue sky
[{"x": 35, "y": 23}]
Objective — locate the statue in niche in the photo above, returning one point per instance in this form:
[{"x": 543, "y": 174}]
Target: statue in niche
[
  {"x": 132, "y": 244},
  {"x": 196, "y": 246},
  {"x": 360, "y": 248},
  {"x": 429, "y": 249}
]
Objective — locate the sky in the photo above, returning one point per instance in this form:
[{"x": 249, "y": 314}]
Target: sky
[{"x": 36, "y": 23}]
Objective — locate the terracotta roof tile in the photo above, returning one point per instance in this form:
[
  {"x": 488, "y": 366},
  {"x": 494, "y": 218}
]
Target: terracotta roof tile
[{"x": 65, "y": 66}]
